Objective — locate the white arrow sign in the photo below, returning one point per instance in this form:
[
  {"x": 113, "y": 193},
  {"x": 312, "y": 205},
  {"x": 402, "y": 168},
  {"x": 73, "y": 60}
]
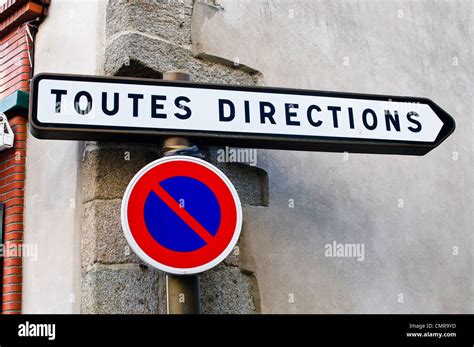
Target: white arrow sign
[{"x": 88, "y": 107}]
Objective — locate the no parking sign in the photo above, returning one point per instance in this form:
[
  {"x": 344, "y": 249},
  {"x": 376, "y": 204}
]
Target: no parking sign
[{"x": 181, "y": 215}]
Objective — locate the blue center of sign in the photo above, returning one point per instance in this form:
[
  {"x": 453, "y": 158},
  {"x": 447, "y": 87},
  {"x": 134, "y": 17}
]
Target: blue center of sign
[{"x": 167, "y": 228}]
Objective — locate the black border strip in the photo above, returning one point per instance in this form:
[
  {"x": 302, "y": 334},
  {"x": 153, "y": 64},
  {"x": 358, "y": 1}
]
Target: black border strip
[
  {"x": 336, "y": 329},
  {"x": 254, "y": 140}
]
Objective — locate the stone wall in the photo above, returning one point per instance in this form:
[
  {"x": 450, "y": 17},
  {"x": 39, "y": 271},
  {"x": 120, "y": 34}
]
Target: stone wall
[{"x": 146, "y": 40}]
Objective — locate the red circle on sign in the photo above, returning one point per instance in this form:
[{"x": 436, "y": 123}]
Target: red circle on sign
[{"x": 147, "y": 248}]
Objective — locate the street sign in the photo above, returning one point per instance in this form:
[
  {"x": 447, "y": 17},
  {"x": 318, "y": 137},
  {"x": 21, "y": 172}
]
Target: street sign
[
  {"x": 181, "y": 215},
  {"x": 124, "y": 109}
]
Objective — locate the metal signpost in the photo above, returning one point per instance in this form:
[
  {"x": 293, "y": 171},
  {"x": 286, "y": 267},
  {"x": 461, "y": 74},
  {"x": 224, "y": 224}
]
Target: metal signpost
[
  {"x": 124, "y": 109},
  {"x": 181, "y": 214}
]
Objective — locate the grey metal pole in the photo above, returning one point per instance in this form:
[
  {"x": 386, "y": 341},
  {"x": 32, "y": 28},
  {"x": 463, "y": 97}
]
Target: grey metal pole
[{"x": 182, "y": 292}]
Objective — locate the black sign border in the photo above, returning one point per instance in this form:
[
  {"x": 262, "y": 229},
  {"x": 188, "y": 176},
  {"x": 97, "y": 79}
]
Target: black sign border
[{"x": 213, "y": 138}]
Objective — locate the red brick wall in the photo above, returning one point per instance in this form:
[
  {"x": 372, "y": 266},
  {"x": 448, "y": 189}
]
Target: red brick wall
[
  {"x": 15, "y": 67},
  {"x": 12, "y": 183},
  {"x": 14, "y": 62}
]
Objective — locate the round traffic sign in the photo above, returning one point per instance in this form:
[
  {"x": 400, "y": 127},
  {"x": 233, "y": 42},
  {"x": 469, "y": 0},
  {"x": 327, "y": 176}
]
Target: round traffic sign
[{"x": 181, "y": 215}]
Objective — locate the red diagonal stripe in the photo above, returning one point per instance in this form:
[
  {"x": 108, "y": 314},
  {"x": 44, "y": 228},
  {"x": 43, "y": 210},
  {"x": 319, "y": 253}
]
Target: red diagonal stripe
[{"x": 183, "y": 214}]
